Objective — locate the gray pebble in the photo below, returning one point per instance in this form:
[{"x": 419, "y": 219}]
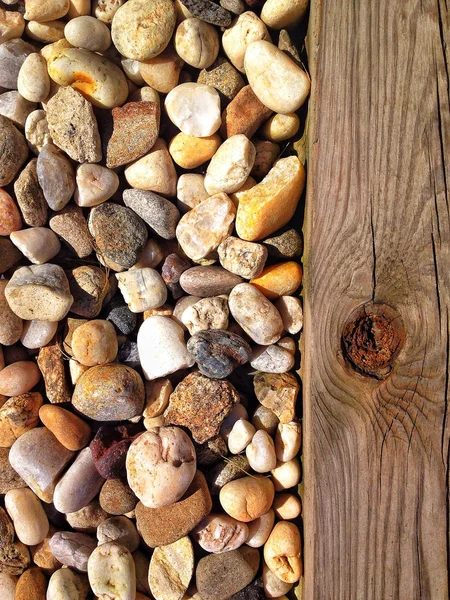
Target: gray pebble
[
  {"x": 121, "y": 316},
  {"x": 12, "y": 56},
  {"x": 158, "y": 212},
  {"x": 30, "y": 196},
  {"x": 72, "y": 549},
  {"x": 16, "y": 108},
  {"x": 218, "y": 352},
  {"x": 209, "y": 12},
  {"x": 208, "y": 281}
]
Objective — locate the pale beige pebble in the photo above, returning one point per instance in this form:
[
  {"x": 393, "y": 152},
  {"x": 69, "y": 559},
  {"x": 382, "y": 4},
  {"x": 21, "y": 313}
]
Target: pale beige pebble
[
  {"x": 65, "y": 584},
  {"x": 278, "y": 14},
  {"x": 45, "y": 10},
  {"x": 194, "y": 108},
  {"x": 246, "y": 259},
  {"x": 287, "y": 506},
  {"x": 97, "y": 78},
  {"x": 261, "y": 452},
  {"x": 288, "y": 344},
  {"x": 15, "y": 107},
  {"x": 181, "y": 305},
  {"x": 230, "y": 166},
  {"x": 49, "y": 51},
  {"x": 240, "y": 436},
  {"x": 247, "y": 186},
  {"x": 286, "y": 475},
  {"x": 87, "y": 519},
  {"x": 201, "y": 230},
  {"x": 112, "y": 573},
  {"x": 142, "y": 289},
  {"x": 146, "y": 94},
  {"x": 275, "y": 79},
  {"x": 161, "y": 465},
  {"x": 18, "y": 415},
  {"x": 273, "y": 586},
  {"x": 280, "y": 127},
  {"x": 46, "y": 33},
  {"x": 190, "y": 152},
  {"x": 37, "y": 333},
  {"x": 207, "y": 313},
  {"x": 290, "y": 309},
  {"x": 190, "y": 191},
  {"x": 287, "y": 440},
  {"x": 11, "y": 325},
  {"x": 244, "y": 30},
  {"x": 76, "y": 370},
  {"x": 152, "y": 422},
  {"x": 105, "y": 10},
  {"x": 247, "y": 498},
  {"x": 89, "y": 33},
  {"x": 260, "y": 529},
  {"x": 238, "y": 412},
  {"x": 38, "y": 244},
  {"x": 131, "y": 70},
  {"x": 220, "y": 533},
  {"x": 55, "y": 175},
  {"x": 263, "y": 418},
  {"x": 19, "y": 378},
  {"x": 7, "y": 586},
  {"x": 197, "y": 42},
  {"x": 78, "y": 8},
  {"x": 154, "y": 172},
  {"x": 26, "y": 511},
  {"x": 162, "y": 72},
  {"x": 272, "y": 359},
  {"x": 151, "y": 255},
  {"x": 157, "y": 394},
  {"x": 12, "y": 25},
  {"x": 94, "y": 343},
  {"x": 119, "y": 529},
  {"x": 36, "y": 131},
  {"x": 282, "y": 552},
  {"x": 95, "y": 184},
  {"x": 171, "y": 570}
]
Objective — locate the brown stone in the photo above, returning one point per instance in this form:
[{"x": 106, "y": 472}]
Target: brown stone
[
  {"x": 88, "y": 286},
  {"x": 32, "y": 585},
  {"x": 71, "y": 227},
  {"x": 87, "y": 519},
  {"x": 71, "y": 325},
  {"x": 162, "y": 526},
  {"x": 266, "y": 154},
  {"x": 6, "y": 529},
  {"x": 277, "y": 391},
  {"x": 224, "y": 77},
  {"x": 42, "y": 555},
  {"x": 14, "y": 558},
  {"x": 18, "y": 415},
  {"x": 9, "y": 254},
  {"x": 30, "y": 196},
  {"x": 9, "y": 479},
  {"x": 245, "y": 114},
  {"x": 70, "y": 431},
  {"x": 117, "y": 498},
  {"x": 51, "y": 364}
]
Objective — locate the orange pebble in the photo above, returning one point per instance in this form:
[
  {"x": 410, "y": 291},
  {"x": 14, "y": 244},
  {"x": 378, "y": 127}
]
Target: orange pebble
[
  {"x": 10, "y": 219},
  {"x": 71, "y": 431},
  {"x": 279, "y": 280}
]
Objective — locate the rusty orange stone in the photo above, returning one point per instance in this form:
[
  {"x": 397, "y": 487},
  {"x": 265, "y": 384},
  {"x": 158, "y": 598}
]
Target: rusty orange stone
[
  {"x": 279, "y": 280},
  {"x": 10, "y": 219}
]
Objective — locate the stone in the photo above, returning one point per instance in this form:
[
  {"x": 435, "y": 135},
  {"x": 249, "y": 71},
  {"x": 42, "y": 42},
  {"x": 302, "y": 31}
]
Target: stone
[
  {"x": 39, "y": 459},
  {"x": 89, "y": 33},
  {"x": 110, "y": 392},
  {"x": 259, "y": 529},
  {"x": 97, "y": 78},
  {"x": 163, "y": 71},
  {"x": 117, "y": 498},
  {"x": 154, "y": 172},
  {"x": 280, "y": 128},
  {"x": 7, "y": 532},
  {"x": 201, "y": 404},
  {"x": 240, "y": 436},
  {"x": 7, "y": 586},
  {"x": 10, "y": 219},
  {"x": 287, "y": 506},
  {"x": 222, "y": 76},
  {"x": 208, "y": 281},
  {"x": 30, "y": 197},
  {"x": 132, "y": 39},
  {"x": 239, "y": 412},
  {"x": 230, "y": 166},
  {"x": 70, "y": 431},
  {"x": 272, "y": 359},
  {"x": 145, "y": 94},
  {"x": 12, "y": 55},
  {"x": 131, "y": 70},
  {"x": 95, "y": 343},
  {"x": 48, "y": 32},
  {"x": 286, "y": 13},
  {"x": 109, "y": 449},
  {"x": 279, "y": 280},
  {"x": 51, "y": 362},
  {"x": 247, "y": 498},
  {"x": 89, "y": 286},
  {"x": 194, "y": 108},
  {"x": 11, "y": 325},
  {"x": 118, "y": 313},
  {"x": 171, "y": 272},
  {"x": 253, "y": 591},
  {"x": 36, "y": 131},
  {"x": 9, "y": 256},
  {"x": 9, "y": 478},
  {"x": 190, "y": 152},
  {"x": 105, "y": 10},
  {"x": 15, "y": 108},
  {"x": 128, "y": 355},
  {"x": 151, "y": 256},
  {"x": 38, "y": 244},
  {"x": 135, "y": 129},
  {"x": 211, "y": 451},
  {"x": 55, "y": 176},
  {"x": 208, "y": 11},
  {"x": 244, "y": 115},
  {"x": 11, "y": 25},
  {"x": 13, "y": 150},
  {"x": 141, "y": 563},
  {"x": 235, "y": 6},
  {"x": 158, "y": 212},
  {"x": 247, "y": 186},
  {"x": 244, "y": 30},
  {"x": 14, "y": 558},
  {"x": 197, "y": 43},
  {"x": 119, "y": 234},
  {"x": 290, "y": 309},
  {"x": 190, "y": 191},
  {"x": 287, "y": 343},
  {"x": 88, "y": 518},
  {"x": 288, "y": 244},
  {"x": 157, "y": 394},
  {"x": 142, "y": 289},
  {"x": 95, "y": 184},
  {"x": 19, "y": 378},
  {"x": 36, "y": 10},
  {"x": 282, "y": 552},
  {"x": 171, "y": 570},
  {"x": 278, "y": 392},
  {"x": 273, "y": 586},
  {"x": 219, "y": 576},
  {"x": 242, "y": 258},
  {"x": 167, "y": 524},
  {"x": 218, "y": 352},
  {"x": 162, "y": 349},
  {"x": 220, "y": 533},
  {"x": 30, "y": 521},
  {"x": 286, "y": 475},
  {"x": 72, "y": 549},
  {"x": 158, "y": 481},
  {"x": 207, "y": 313},
  {"x": 65, "y": 584},
  {"x": 120, "y": 530},
  {"x": 71, "y": 226},
  {"x": 33, "y": 82},
  {"x": 266, "y": 155},
  {"x": 18, "y": 415},
  {"x": 261, "y": 452}
]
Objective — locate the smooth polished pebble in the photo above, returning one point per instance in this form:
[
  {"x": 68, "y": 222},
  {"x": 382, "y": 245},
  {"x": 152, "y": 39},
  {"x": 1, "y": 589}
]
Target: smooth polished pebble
[
  {"x": 287, "y": 506},
  {"x": 95, "y": 343},
  {"x": 282, "y": 552},
  {"x": 197, "y": 43},
  {"x": 240, "y": 436},
  {"x": 220, "y": 533},
  {"x": 88, "y": 33},
  {"x": 37, "y": 333},
  {"x": 274, "y": 587},
  {"x": 287, "y": 440},
  {"x": 33, "y": 82},
  {"x": 65, "y": 584},
  {"x": 94, "y": 184},
  {"x": 142, "y": 289},
  {"x": 247, "y": 498},
  {"x": 286, "y": 475},
  {"x": 260, "y": 529},
  {"x": 111, "y": 572},
  {"x": 38, "y": 244},
  {"x": 291, "y": 311},
  {"x": 154, "y": 172},
  {"x": 30, "y": 521},
  {"x": 72, "y": 549},
  {"x": 261, "y": 452},
  {"x": 19, "y": 378},
  {"x": 194, "y": 108},
  {"x": 247, "y": 28},
  {"x": 230, "y": 166}
]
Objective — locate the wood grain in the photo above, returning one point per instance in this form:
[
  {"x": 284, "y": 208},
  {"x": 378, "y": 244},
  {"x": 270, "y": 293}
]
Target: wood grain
[{"x": 377, "y": 235}]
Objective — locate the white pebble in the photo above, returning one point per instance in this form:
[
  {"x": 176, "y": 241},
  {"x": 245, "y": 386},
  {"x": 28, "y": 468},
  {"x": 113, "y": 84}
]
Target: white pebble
[
  {"x": 142, "y": 289},
  {"x": 36, "y": 334},
  {"x": 239, "y": 412},
  {"x": 38, "y": 244},
  {"x": 286, "y": 475},
  {"x": 95, "y": 184},
  {"x": 261, "y": 452},
  {"x": 240, "y": 436},
  {"x": 194, "y": 108},
  {"x": 260, "y": 529},
  {"x": 287, "y": 440},
  {"x": 231, "y": 165}
]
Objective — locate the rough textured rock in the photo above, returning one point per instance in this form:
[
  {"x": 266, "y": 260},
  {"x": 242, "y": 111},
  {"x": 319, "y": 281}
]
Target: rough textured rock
[
  {"x": 30, "y": 196},
  {"x": 218, "y": 352},
  {"x": 117, "y": 498},
  {"x": 71, "y": 226},
  {"x": 206, "y": 314},
  {"x": 288, "y": 244},
  {"x": 18, "y": 415},
  {"x": 110, "y": 446},
  {"x": 9, "y": 478},
  {"x": 9, "y": 255},
  {"x": 278, "y": 392},
  {"x": 245, "y": 114},
  {"x": 13, "y": 150},
  {"x": 208, "y": 11},
  {"x": 158, "y": 212},
  {"x": 171, "y": 569},
  {"x": 14, "y": 558},
  {"x": 52, "y": 365},
  {"x": 11, "y": 325},
  {"x": 224, "y": 77},
  {"x": 245, "y": 259},
  {"x": 88, "y": 286},
  {"x": 226, "y": 471}
]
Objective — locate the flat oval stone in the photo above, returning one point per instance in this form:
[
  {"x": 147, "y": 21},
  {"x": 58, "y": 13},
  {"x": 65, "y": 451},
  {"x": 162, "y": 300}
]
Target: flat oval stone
[
  {"x": 220, "y": 533},
  {"x": 190, "y": 152},
  {"x": 72, "y": 549},
  {"x": 247, "y": 28},
  {"x": 18, "y": 415},
  {"x": 194, "y": 108},
  {"x": 197, "y": 43},
  {"x": 30, "y": 521},
  {"x": 218, "y": 352},
  {"x": 71, "y": 431},
  {"x": 208, "y": 281},
  {"x": 19, "y": 378},
  {"x": 171, "y": 570},
  {"x": 38, "y": 244},
  {"x": 110, "y": 392},
  {"x": 56, "y": 177},
  {"x": 13, "y": 150},
  {"x": 260, "y": 528},
  {"x": 109, "y": 449},
  {"x": 247, "y": 498},
  {"x": 272, "y": 359},
  {"x": 33, "y": 82},
  {"x": 87, "y": 32},
  {"x": 231, "y": 165},
  {"x": 158, "y": 212}
]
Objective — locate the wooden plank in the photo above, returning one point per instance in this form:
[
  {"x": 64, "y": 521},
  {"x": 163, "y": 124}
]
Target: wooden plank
[{"x": 377, "y": 300}]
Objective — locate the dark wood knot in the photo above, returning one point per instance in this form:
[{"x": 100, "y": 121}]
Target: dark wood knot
[{"x": 372, "y": 338}]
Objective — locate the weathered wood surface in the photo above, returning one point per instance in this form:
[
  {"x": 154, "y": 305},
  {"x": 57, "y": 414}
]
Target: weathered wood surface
[{"x": 376, "y": 451}]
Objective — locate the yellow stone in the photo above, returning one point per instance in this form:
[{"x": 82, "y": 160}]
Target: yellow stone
[
  {"x": 271, "y": 204},
  {"x": 279, "y": 280},
  {"x": 237, "y": 195},
  {"x": 190, "y": 152}
]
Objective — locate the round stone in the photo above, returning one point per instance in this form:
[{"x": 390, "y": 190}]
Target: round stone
[
  {"x": 194, "y": 108},
  {"x": 247, "y": 498},
  {"x": 89, "y": 33},
  {"x": 117, "y": 498},
  {"x": 278, "y": 280},
  {"x": 281, "y": 127},
  {"x": 95, "y": 184},
  {"x": 240, "y": 436},
  {"x": 154, "y": 172},
  {"x": 261, "y": 452},
  {"x": 163, "y": 71},
  {"x": 231, "y": 165},
  {"x": 278, "y": 14},
  {"x": 171, "y": 570},
  {"x": 13, "y": 150},
  {"x": 94, "y": 343},
  {"x": 197, "y": 43},
  {"x": 19, "y": 378},
  {"x": 218, "y": 352},
  {"x": 190, "y": 152},
  {"x": 287, "y": 506},
  {"x": 220, "y": 533},
  {"x": 247, "y": 28},
  {"x": 111, "y": 572},
  {"x": 65, "y": 584},
  {"x": 259, "y": 529},
  {"x": 291, "y": 312},
  {"x": 272, "y": 359},
  {"x": 38, "y": 244},
  {"x": 33, "y": 82}
]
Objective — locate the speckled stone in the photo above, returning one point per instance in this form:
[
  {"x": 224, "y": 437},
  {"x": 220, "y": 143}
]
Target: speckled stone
[
  {"x": 56, "y": 176},
  {"x": 9, "y": 478},
  {"x": 12, "y": 56},
  {"x": 10, "y": 324},
  {"x": 218, "y": 352},
  {"x": 117, "y": 498},
  {"x": 118, "y": 313},
  {"x": 211, "y": 451},
  {"x": 245, "y": 114},
  {"x": 30, "y": 197},
  {"x": 14, "y": 558},
  {"x": 71, "y": 227},
  {"x": 129, "y": 355},
  {"x": 288, "y": 244},
  {"x": 13, "y": 150},
  {"x": 224, "y": 77},
  {"x": 208, "y": 11},
  {"x": 88, "y": 286},
  {"x": 208, "y": 281},
  {"x": 254, "y": 591},
  {"x": 278, "y": 392},
  {"x": 158, "y": 212},
  {"x": 110, "y": 446},
  {"x": 18, "y": 415},
  {"x": 51, "y": 362}
]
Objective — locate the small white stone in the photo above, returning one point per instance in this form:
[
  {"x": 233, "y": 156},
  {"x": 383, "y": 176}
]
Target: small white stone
[
  {"x": 247, "y": 28},
  {"x": 273, "y": 586},
  {"x": 260, "y": 529},
  {"x": 240, "y": 436},
  {"x": 288, "y": 344},
  {"x": 36, "y": 334},
  {"x": 230, "y": 166},
  {"x": 112, "y": 573},
  {"x": 36, "y": 131},
  {"x": 33, "y": 82},
  {"x": 286, "y": 475},
  {"x": 239, "y": 412},
  {"x": 290, "y": 309},
  {"x": 197, "y": 43},
  {"x": 95, "y": 184},
  {"x": 264, "y": 418},
  {"x": 194, "y": 108},
  {"x": 190, "y": 191},
  {"x": 207, "y": 313},
  {"x": 66, "y": 584},
  {"x": 26, "y": 511},
  {"x": 38, "y": 244},
  {"x": 89, "y": 33},
  {"x": 154, "y": 172},
  {"x": 272, "y": 359},
  {"x": 181, "y": 305},
  {"x": 261, "y": 452},
  {"x": 142, "y": 289},
  {"x": 287, "y": 440}
]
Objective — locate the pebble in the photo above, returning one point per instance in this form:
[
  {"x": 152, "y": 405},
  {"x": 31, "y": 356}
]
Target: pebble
[
  {"x": 230, "y": 166},
  {"x": 202, "y": 229},
  {"x": 281, "y": 127},
  {"x": 71, "y": 226},
  {"x": 288, "y": 244},
  {"x": 266, "y": 155},
  {"x": 259, "y": 529},
  {"x": 95, "y": 343},
  {"x": 291, "y": 312},
  {"x": 226, "y": 471},
  {"x": 287, "y": 506},
  {"x": 181, "y": 305},
  {"x": 10, "y": 219},
  {"x": 117, "y": 498},
  {"x": 162, "y": 349},
  {"x": 239, "y": 412},
  {"x": 272, "y": 359},
  {"x": 161, "y": 464},
  {"x": 135, "y": 129},
  {"x": 16, "y": 108},
  {"x": 55, "y": 176},
  {"x": 18, "y": 415},
  {"x": 247, "y": 498},
  {"x": 13, "y": 150},
  {"x": 30, "y": 521},
  {"x": 38, "y": 244},
  {"x": 240, "y": 436},
  {"x": 157, "y": 394},
  {"x": 9, "y": 478},
  {"x": 89, "y": 33},
  {"x": 14, "y": 558},
  {"x": 282, "y": 552},
  {"x": 201, "y": 404},
  {"x": 9, "y": 256},
  {"x": 131, "y": 70},
  {"x": 7, "y": 586},
  {"x": 288, "y": 440},
  {"x": 39, "y": 459},
  {"x": 287, "y": 343},
  {"x": 11, "y": 25},
  {"x": 218, "y": 352},
  {"x": 42, "y": 555},
  {"x": 19, "y": 378},
  {"x": 110, "y": 446},
  {"x": 235, "y": 6},
  {"x": 158, "y": 212},
  {"x": 171, "y": 272},
  {"x": 36, "y": 131},
  {"x": 110, "y": 392},
  {"x": 207, "y": 313},
  {"x": 245, "y": 114},
  {"x": 245, "y": 259},
  {"x": 121, "y": 316},
  {"x": 89, "y": 286},
  {"x": 271, "y": 204},
  {"x": 142, "y": 289},
  {"x": 253, "y": 591},
  {"x": 119, "y": 234},
  {"x": 70, "y": 431},
  {"x": 65, "y": 584},
  {"x": 72, "y": 549},
  {"x": 286, "y": 13},
  {"x": 51, "y": 363},
  {"x": 46, "y": 33},
  {"x": 194, "y": 108},
  {"x": 208, "y": 11},
  {"x": 220, "y": 533},
  {"x": 11, "y": 325},
  {"x": 97, "y": 78},
  {"x": 261, "y": 452},
  {"x": 197, "y": 43},
  {"x": 88, "y": 518},
  {"x": 32, "y": 584},
  {"x": 105, "y": 10},
  {"x": 246, "y": 29},
  {"x": 211, "y": 451},
  {"x": 273, "y": 586},
  {"x": 167, "y": 524},
  {"x": 219, "y": 576},
  {"x": 120, "y": 530},
  {"x": 286, "y": 475},
  {"x": 279, "y": 280},
  {"x": 190, "y": 152},
  {"x": 135, "y": 41},
  {"x": 37, "y": 10},
  {"x": 12, "y": 55},
  {"x": 278, "y": 392},
  {"x": 154, "y": 172},
  {"x": 224, "y": 77},
  {"x": 30, "y": 197},
  {"x": 33, "y": 82},
  {"x": 208, "y": 281},
  {"x": 171, "y": 570},
  {"x": 162, "y": 72}
]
